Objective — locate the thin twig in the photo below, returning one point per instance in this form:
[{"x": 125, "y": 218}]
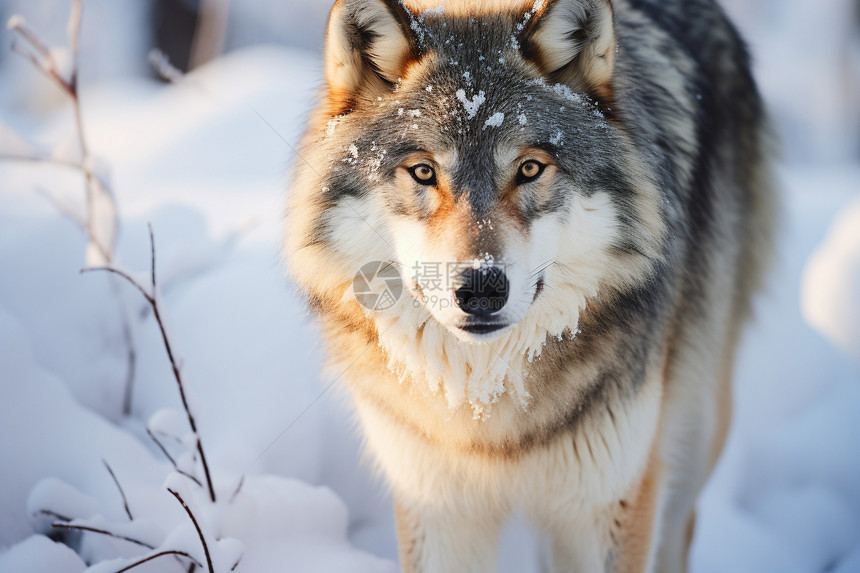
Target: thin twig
[
  {"x": 45, "y": 62},
  {"x": 156, "y": 311},
  {"x": 74, "y": 44},
  {"x": 41, "y": 159},
  {"x": 21, "y": 28},
  {"x": 63, "y": 209},
  {"x": 54, "y": 514},
  {"x": 155, "y": 556},
  {"x": 50, "y": 71},
  {"x": 70, "y": 86},
  {"x": 115, "y": 536},
  {"x": 131, "y": 354},
  {"x": 172, "y": 460},
  {"x": 124, "y": 275},
  {"x": 238, "y": 489},
  {"x": 121, "y": 492},
  {"x": 151, "y": 257},
  {"x": 161, "y": 447},
  {"x": 197, "y": 527},
  {"x": 62, "y": 525},
  {"x": 152, "y": 299}
]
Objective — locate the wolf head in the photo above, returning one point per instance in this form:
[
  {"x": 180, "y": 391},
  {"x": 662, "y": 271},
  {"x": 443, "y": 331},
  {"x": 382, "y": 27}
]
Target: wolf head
[{"x": 475, "y": 150}]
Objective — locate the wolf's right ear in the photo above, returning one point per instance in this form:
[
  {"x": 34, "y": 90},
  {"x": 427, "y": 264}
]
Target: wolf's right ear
[{"x": 368, "y": 45}]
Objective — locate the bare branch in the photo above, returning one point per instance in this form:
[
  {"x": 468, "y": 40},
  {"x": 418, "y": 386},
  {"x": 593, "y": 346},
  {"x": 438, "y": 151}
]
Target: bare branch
[
  {"x": 97, "y": 191},
  {"x": 48, "y": 160},
  {"x": 18, "y": 25},
  {"x": 152, "y": 299},
  {"x": 152, "y": 256},
  {"x": 156, "y": 556},
  {"x": 238, "y": 489},
  {"x": 161, "y": 447},
  {"x": 124, "y": 275},
  {"x": 194, "y": 562},
  {"x": 156, "y": 311},
  {"x": 197, "y": 527},
  {"x": 62, "y": 525},
  {"x": 42, "y": 59},
  {"x": 171, "y": 459},
  {"x": 64, "y": 209},
  {"x": 54, "y": 514},
  {"x": 119, "y": 487},
  {"x": 40, "y": 159},
  {"x": 131, "y": 355},
  {"x": 74, "y": 44}
]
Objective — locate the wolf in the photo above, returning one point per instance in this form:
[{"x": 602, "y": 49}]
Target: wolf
[{"x": 530, "y": 232}]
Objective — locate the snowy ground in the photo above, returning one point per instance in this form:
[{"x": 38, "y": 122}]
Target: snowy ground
[{"x": 200, "y": 163}]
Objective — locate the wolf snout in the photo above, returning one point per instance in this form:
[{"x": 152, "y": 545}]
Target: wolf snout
[{"x": 482, "y": 292}]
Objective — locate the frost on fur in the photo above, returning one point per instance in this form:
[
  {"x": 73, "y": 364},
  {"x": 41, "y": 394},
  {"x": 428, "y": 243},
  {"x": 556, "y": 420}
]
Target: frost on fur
[{"x": 477, "y": 374}]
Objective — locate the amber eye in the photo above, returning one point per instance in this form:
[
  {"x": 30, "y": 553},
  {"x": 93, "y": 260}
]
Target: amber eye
[
  {"x": 423, "y": 174},
  {"x": 529, "y": 171}
]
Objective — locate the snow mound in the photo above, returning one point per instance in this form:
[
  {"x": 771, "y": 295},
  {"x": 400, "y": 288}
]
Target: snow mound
[
  {"x": 39, "y": 554},
  {"x": 831, "y": 283}
]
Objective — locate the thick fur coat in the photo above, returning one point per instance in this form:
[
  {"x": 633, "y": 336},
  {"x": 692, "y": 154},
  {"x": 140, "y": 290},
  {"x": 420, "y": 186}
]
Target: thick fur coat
[{"x": 605, "y": 164}]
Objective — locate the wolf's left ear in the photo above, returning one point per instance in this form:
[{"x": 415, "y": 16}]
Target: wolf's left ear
[
  {"x": 573, "y": 42},
  {"x": 368, "y": 45}
]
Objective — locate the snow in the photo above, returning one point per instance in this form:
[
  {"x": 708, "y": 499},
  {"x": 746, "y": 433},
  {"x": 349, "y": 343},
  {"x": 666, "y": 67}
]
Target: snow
[
  {"x": 16, "y": 21},
  {"x": 169, "y": 422},
  {"x": 196, "y": 160},
  {"x": 38, "y": 554},
  {"x": 161, "y": 64},
  {"x": 494, "y": 120},
  {"x": 831, "y": 283},
  {"x": 61, "y": 498},
  {"x": 472, "y": 104}
]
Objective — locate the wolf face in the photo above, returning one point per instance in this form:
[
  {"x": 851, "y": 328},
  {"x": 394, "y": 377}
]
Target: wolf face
[{"x": 494, "y": 175}]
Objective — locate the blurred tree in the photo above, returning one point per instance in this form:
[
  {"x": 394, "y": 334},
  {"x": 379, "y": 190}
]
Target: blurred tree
[{"x": 175, "y": 23}]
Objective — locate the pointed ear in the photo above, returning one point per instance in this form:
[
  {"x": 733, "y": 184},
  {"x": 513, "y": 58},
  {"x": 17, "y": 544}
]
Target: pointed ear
[
  {"x": 573, "y": 42},
  {"x": 368, "y": 46}
]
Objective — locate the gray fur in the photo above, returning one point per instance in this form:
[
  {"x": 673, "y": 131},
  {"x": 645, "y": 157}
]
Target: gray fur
[{"x": 682, "y": 116}]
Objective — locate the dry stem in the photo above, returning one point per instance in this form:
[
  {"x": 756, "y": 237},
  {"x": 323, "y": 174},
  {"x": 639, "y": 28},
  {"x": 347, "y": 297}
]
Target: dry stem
[
  {"x": 63, "y": 525},
  {"x": 152, "y": 299},
  {"x": 121, "y": 492},
  {"x": 40, "y": 56},
  {"x": 156, "y": 556},
  {"x": 197, "y": 527},
  {"x": 170, "y": 458}
]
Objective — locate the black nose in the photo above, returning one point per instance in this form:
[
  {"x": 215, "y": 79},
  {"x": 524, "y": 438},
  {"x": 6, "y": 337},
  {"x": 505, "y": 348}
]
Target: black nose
[{"x": 483, "y": 291}]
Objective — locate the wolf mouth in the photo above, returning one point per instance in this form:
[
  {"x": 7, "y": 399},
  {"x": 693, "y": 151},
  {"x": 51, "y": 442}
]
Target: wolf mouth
[{"x": 483, "y": 328}]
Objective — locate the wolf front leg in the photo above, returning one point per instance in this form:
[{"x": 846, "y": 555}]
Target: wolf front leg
[
  {"x": 618, "y": 537},
  {"x": 446, "y": 538}
]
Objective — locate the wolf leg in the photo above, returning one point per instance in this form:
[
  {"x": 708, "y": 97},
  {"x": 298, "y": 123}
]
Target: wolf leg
[
  {"x": 618, "y": 538},
  {"x": 634, "y": 524},
  {"x": 448, "y": 538}
]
